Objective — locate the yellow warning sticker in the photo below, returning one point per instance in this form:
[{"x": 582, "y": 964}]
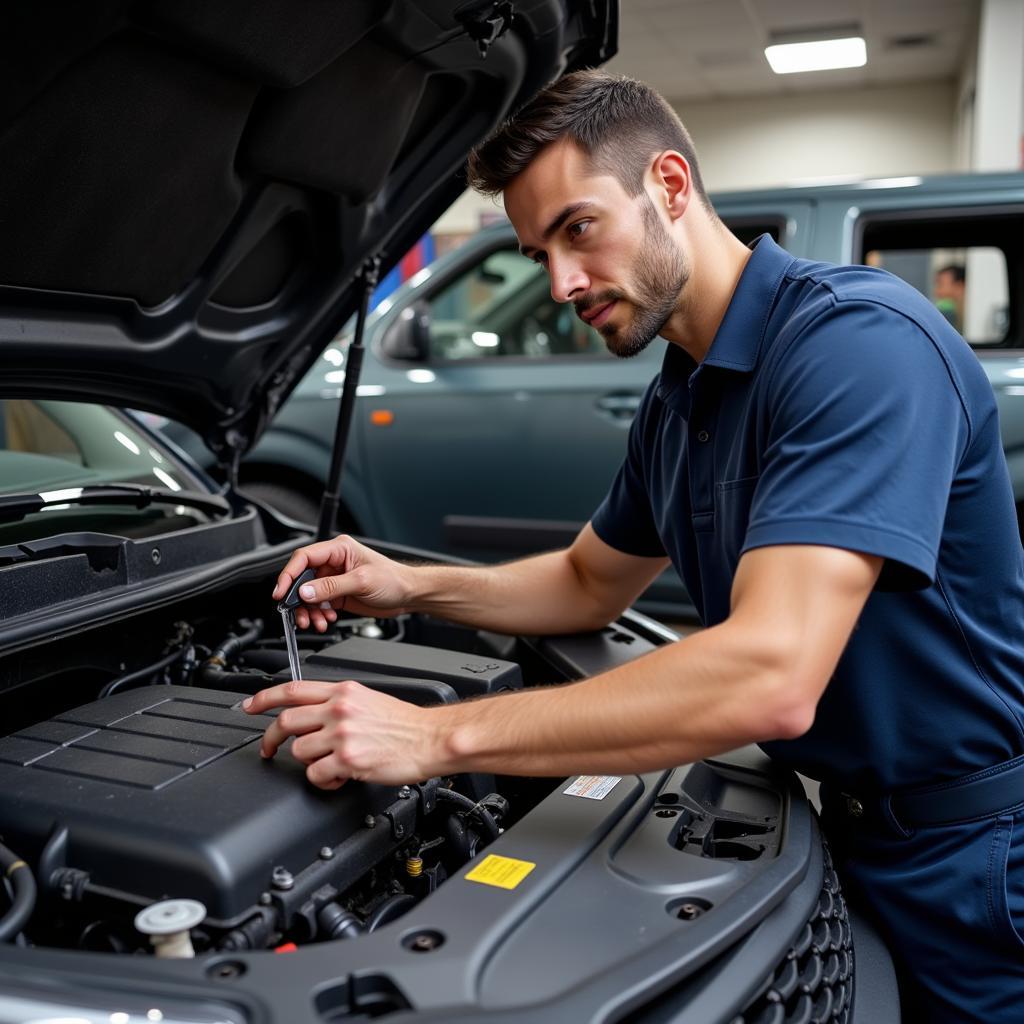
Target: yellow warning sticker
[{"x": 502, "y": 872}]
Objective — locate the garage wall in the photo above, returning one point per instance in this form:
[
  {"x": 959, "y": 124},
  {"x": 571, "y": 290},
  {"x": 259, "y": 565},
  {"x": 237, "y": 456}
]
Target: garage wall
[
  {"x": 753, "y": 142},
  {"x": 874, "y": 132},
  {"x": 468, "y": 214}
]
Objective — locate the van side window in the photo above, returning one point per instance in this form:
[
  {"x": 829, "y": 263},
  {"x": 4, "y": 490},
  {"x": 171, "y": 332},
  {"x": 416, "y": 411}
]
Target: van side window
[
  {"x": 502, "y": 306},
  {"x": 967, "y": 266},
  {"x": 746, "y": 229}
]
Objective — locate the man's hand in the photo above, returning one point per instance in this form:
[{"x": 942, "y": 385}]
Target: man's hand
[
  {"x": 346, "y": 731},
  {"x": 350, "y": 577}
]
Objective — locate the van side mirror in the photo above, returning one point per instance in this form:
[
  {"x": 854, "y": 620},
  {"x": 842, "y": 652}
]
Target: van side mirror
[{"x": 408, "y": 337}]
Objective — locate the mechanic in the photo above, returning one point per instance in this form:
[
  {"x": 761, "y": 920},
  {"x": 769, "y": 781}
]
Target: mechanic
[{"x": 820, "y": 459}]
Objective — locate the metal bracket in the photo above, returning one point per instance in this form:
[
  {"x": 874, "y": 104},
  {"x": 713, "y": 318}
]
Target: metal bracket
[
  {"x": 428, "y": 795},
  {"x": 485, "y": 24},
  {"x": 397, "y": 828}
]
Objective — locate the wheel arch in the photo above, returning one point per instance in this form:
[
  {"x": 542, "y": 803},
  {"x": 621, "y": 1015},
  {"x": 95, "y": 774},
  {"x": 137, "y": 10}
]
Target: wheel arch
[{"x": 292, "y": 461}]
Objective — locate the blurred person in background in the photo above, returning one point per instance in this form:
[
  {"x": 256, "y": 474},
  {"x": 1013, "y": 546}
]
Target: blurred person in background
[{"x": 948, "y": 292}]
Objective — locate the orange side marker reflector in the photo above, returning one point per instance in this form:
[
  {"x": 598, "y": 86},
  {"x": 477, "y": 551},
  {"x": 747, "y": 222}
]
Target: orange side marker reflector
[
  {"x": 382, "y": 417},
  {"x": 286, "y": 947}
]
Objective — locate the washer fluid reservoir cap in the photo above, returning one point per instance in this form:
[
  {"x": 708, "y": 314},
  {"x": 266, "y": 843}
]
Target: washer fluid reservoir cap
[{"x": 169, "y": 917}]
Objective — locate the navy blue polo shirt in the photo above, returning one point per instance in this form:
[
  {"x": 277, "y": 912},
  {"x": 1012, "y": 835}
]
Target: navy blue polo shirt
[{"x": 836, "y": 406}]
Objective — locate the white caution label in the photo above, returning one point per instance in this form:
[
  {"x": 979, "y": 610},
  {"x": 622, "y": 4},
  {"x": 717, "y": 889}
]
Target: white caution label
[{"x": 592, "y": 787}]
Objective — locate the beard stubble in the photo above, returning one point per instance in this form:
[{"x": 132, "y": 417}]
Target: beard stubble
[{"x": 660, "y": 273}]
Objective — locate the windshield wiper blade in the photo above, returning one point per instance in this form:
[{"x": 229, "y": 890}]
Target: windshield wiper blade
[{"x": 16, "y": 506}]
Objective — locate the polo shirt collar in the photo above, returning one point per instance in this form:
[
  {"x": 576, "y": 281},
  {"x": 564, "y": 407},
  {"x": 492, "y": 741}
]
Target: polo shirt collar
[{"x": 737, "y": 342}]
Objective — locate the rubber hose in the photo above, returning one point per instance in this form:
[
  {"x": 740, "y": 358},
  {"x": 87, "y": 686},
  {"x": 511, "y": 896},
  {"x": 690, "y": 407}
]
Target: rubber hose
[
  {"x": 266, "y": 660},
  {"x": 24, "y": 901},
  {"x": 486, "y": 818},
  {"x": 215, "y": 678},
  {"x": 142, "y": 673},
  {"x": 336, "y": 923},
  {"x": 391, "y": 909},
  {"x": 233, "y": 645}
]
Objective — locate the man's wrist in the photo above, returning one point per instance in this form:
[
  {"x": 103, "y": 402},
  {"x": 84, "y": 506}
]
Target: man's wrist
[
  {"x": 424, "y": 588},
  {"x": 449, "y": 743}
]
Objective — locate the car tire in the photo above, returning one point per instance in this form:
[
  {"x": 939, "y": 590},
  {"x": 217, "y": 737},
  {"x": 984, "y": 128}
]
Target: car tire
[{"x": 284, "y": 499}]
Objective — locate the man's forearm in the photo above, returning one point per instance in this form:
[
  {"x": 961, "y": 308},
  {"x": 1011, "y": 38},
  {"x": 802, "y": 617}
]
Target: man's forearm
[
  {"x": 756, "y": 676},
  {"x": 695, "y": 698},
  {"x": 542, "y": 594}
]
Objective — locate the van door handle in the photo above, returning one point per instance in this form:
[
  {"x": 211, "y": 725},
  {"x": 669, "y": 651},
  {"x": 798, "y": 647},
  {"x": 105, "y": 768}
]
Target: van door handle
[{"x": 619, "y": 406}]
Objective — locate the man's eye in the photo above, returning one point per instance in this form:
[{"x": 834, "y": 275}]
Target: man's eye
[{"x": 577, "y": 229}]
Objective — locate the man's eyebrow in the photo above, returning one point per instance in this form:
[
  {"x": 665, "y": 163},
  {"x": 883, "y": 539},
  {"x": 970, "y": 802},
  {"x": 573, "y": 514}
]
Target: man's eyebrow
[{"x": 557, "y": 222}]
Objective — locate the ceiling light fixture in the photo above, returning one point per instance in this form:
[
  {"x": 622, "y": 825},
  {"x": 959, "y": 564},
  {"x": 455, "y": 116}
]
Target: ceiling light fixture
[{"x": 819, "y": 50}]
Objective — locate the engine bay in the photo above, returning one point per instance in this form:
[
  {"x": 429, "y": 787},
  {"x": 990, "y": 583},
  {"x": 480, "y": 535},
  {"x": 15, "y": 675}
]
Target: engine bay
[
  {"x": 138, "y": 819},
  {"x": 152, "y": 795}
]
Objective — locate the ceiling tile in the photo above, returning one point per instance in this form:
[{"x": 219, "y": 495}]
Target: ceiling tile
[
  {"x": 798, "y": 15},
  {"x": 697, "y": 48},
  {"x": 718, "y": 15}
]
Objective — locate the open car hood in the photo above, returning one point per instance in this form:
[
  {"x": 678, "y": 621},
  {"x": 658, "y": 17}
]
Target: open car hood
[{"x": 190, "y": 190}]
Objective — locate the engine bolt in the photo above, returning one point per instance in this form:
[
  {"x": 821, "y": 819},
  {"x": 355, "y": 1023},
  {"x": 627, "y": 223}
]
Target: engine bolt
[
  {"x": 689, "y": 911},
  {"x": 404, "y": 793},
  {"x": 266, "y": 899},
  {"x": 281, "y": 878},
  {"x": 326, "y": 853},
  {"x": 226, "y": 971},
  {"x": 370, "y": 821},
  {"x": 425, "y": 941}
]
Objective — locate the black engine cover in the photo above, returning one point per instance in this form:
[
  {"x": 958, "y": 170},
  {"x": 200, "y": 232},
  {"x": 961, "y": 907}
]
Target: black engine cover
[{"x": 164, "y": 793}]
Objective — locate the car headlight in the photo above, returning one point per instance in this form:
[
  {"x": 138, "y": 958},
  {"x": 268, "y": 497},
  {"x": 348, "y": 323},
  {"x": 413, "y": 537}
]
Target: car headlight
[{"x": 39, "y": 1009}]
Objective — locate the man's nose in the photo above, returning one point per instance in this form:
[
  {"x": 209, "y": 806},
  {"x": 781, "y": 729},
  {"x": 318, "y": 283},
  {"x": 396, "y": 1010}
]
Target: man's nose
[{"x": 568, "y": 279}]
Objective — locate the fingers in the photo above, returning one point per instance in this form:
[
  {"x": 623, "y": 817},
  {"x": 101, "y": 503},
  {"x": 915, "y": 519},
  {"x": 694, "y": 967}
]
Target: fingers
[
  {"x": 333, "y": 561},
  {"x": 331, "y": 587},
  {"x": 323, "y": 553},
  {"x": 318, "y": 617},
  {"x": 311, "y": 745},
  {"x": 302, "y": 691},
  {"x": 327, "y": 773},
  {"x": 346, "y": 731},
  {"x": 303, "y": 619},
  {"x": 295, "y": 721},
  {"x": 294, "y": 568},
  {"x": 306, "y": 709}
]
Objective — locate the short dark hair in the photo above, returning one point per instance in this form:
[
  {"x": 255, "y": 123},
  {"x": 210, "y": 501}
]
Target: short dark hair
[
  {"x": 619, "y": 124},
  {"x": 958, "y": 272}
]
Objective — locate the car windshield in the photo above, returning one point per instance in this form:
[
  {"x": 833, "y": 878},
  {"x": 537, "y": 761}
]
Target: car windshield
[{"x": 47, "y": 447}]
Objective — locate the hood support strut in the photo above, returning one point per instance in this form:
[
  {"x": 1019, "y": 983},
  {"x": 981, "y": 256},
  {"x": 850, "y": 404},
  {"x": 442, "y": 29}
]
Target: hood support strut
[{"x": 353, "y": 366}]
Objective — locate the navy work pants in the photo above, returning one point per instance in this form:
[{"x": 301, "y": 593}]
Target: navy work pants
[{"x": 949, "y": 901}]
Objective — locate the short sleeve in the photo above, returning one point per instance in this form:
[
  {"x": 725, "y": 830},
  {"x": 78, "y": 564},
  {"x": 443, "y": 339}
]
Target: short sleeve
[
  {"x": 865, "y": 429},
  {"x": 624, "y": 519}
]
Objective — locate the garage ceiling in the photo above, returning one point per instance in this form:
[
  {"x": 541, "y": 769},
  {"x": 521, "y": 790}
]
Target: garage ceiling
[{"x": 708, "y": 49}]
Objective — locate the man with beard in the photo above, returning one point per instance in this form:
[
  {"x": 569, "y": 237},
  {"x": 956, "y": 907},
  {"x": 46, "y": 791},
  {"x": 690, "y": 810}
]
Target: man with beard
[{"x": 820, "y": 459}]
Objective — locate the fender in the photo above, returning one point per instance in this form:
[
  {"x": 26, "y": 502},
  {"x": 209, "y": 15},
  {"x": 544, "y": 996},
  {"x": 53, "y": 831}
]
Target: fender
[{"x": 283, "y": 455}]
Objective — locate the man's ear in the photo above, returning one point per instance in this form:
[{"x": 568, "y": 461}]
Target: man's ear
[{"x": 669, "y": 174}]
